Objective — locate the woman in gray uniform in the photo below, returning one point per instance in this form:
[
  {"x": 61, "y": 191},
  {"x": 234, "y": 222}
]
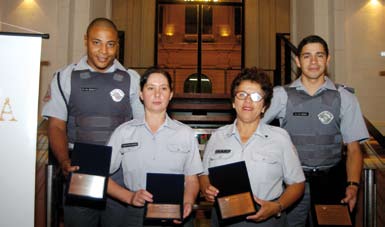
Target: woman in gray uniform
[
  {"x": 268, "y": 152},
  {"x": 153, "y": 144}
]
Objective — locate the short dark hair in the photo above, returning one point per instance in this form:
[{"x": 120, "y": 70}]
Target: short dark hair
[
  {"x": 312, "y": 39},
  {"x": 102, "y": 21},
  {"x": 154, "y": 69},
  {"x": 258, "y": 76}
]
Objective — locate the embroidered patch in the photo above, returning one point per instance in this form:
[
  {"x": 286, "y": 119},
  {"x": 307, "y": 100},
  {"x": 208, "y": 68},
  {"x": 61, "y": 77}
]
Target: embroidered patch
[
  {"x": 47, "y": 96},
  {"x": 223, "y": 151},
  {"x": 325, "y": 117},
  {"x": 85, "y": 75},
  {"x": 134, "y": 144},
  {"x": 117, "y": 95}
]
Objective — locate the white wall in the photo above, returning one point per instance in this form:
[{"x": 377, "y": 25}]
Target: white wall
[
  {"x": 354, "y": 30},
  {"x": 64, "y": 20},
  {"x": 364, "y": 39}
]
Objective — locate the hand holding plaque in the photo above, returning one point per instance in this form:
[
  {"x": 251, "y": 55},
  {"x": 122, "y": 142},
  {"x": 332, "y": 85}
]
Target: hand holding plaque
[
  {"x": 167, "y": 191},
  {"x": 90, "y": 181},
  {"x": 235, "y": 199}
]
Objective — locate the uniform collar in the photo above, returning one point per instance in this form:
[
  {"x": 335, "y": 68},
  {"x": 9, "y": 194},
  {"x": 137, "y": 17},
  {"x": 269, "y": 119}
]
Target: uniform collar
[
  {"x": 327, "y": 85},
  {"x": 169, "y": 123},
  {"x": 83, "y": 65},
  {"x": 261, "y": 130}
]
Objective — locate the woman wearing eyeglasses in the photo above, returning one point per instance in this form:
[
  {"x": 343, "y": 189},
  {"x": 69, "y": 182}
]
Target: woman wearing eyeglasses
[{"x": 272, "y": 163}]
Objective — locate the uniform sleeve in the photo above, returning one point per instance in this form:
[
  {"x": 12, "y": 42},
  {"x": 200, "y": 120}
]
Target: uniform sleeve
[
  {"x": 116, "y": 156},
  {"x": 194, "y": 163},
  {"x": 277, "y": 107},
  {"x": 55, "y": 105},
  {"x": 136, "y": 104},
  {"x": 207, "y": 154},
  {"x": 292, "y": 169},
  {"x": 353, "y": 127}
]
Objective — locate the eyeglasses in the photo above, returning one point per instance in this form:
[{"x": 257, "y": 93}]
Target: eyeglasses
[{"x": 242, "y": 95}]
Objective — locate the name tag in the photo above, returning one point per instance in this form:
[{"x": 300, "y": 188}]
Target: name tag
[
  {"x": 301, "y": 114},
  {"x": 223, "y": 151},
  {"x": 134, "y": 144},
  {"x": 88, "y": 89}
]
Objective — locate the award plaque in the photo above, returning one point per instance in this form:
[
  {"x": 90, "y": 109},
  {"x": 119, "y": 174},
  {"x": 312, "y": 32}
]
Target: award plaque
[
  {"x": 90, "y": 181},
  {"x": 235, "y": 199},
  {"x": 167, "y": 191},
  {"x": 333, "y": 215}
]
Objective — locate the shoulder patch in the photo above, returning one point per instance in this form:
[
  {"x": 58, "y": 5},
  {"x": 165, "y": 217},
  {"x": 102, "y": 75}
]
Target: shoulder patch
[{"x": 47, "y": 95}]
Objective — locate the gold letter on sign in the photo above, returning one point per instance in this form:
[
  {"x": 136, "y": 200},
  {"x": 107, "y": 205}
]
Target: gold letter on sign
[{"x": 7, "y": 111}]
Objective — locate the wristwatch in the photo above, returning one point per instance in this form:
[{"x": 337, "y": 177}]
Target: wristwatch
[
  {"x": 280, "y": 209},
  {"x": 352, "y": 183}
]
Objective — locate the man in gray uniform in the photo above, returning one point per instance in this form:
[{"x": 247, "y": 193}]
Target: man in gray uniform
[
  {"x": 319, "y": 116},
  {"x": 87, "y": 101}
]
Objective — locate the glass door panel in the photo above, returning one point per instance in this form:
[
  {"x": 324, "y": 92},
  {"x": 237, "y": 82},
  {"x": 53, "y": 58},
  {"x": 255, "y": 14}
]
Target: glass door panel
[
  {"x": 177, "y": 42},
  {"x": 222, "y": 49},
  {"x": 200, "y": 44}
]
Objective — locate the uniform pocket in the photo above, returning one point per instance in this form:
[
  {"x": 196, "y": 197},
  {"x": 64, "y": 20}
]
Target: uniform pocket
[
  {"x": 177, "y": 148},
  {"x": 129, "y": 147},
  {"x": 218, "y": 159},
  {"x": 263, "y": 158},
  {"x": 267, "y": 169}
]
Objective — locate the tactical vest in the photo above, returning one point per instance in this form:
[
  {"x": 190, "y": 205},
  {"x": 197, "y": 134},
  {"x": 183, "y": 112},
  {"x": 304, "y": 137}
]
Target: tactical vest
[
  {"x": 313, "y": 123},
  {"x": 98, "y": 103}
]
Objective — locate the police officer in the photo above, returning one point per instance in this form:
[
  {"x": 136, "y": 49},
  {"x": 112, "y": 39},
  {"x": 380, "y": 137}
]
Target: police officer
[
  {"x": 87, "y": 101},
  {"x": 153, "y": 144},
  {"x": 268, "y": 152},
  {"x": 320, "y": 116}
]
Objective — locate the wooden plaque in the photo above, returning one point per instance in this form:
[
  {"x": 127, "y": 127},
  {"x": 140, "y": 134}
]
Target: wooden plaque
[{"x": 333, "y": 215}]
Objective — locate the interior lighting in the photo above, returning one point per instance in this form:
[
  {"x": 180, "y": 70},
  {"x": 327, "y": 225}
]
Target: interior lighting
[
  {"x": 375, "y": 2},
  {"x": 170, "y": 29},
  {"x": 201, "y": 0},
  {"x": 224, "y": 30}
]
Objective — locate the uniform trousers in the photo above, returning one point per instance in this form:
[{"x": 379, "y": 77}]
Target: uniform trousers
[{"x": 322, "y": 187}]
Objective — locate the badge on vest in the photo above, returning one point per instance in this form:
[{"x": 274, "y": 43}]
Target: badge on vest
[
  {"x": 300, "y": 114},
  {"x": 134, "y": 144},
  {"x": 117, "y": 95},
  {"x": 222, "y": 151},
  {"x": 325, "y": 117}
]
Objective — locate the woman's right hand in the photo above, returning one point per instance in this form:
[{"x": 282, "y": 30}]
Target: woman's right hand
[
  {"x": 210, "y": 192},
  {"x": 140, "y": 197}
]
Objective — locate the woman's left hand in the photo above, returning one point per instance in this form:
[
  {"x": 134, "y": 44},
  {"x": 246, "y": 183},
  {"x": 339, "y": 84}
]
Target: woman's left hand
[
  {"x": 187, "y": 208},
  {"x": 266, "y": 210}
]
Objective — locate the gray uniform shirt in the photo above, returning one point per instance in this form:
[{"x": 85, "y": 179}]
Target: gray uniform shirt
[
  {"x": 55, "y": 106},
  {"x": 270, "y": 157},
  {"x": 352, "y": 127},
  {"x": 172, "y": 149}
]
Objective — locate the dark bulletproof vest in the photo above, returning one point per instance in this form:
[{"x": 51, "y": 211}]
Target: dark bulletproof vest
[
  {"x": 313, "y": 123},
  {"x": 98, "y": 103}
]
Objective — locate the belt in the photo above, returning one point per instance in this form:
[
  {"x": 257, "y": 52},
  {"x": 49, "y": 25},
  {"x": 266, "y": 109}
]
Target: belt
[{"x": 315, "y": 172}]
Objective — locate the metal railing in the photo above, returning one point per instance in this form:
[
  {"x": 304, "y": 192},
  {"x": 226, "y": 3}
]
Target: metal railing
[{"x": 285, "y": 68}]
